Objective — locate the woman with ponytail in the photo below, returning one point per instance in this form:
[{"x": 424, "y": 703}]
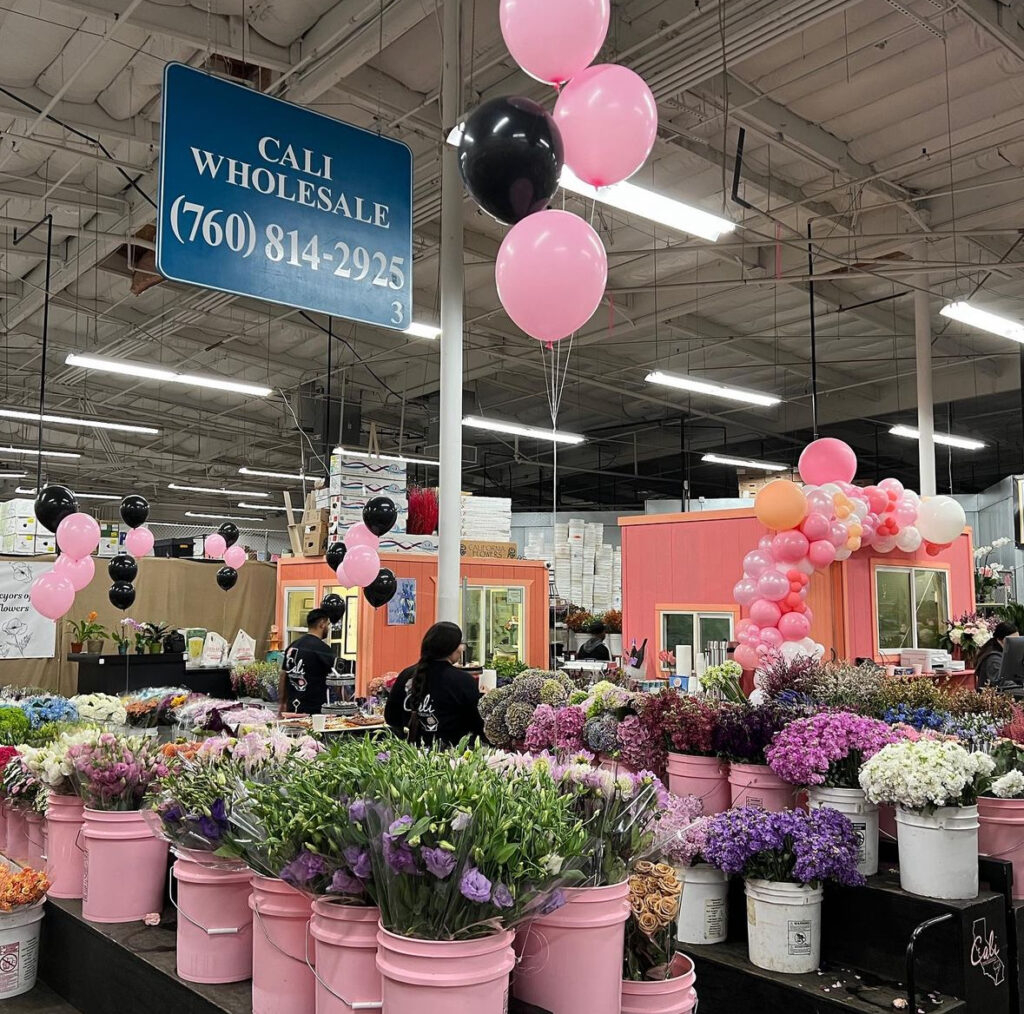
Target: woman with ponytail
[{"x": 433, "y": 701}]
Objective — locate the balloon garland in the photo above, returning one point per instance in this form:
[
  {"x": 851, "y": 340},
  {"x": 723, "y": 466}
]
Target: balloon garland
[{"x": 825, "y": 520}]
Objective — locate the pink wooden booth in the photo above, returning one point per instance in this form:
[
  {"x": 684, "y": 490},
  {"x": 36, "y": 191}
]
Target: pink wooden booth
[{"x": 690, "y": 562}]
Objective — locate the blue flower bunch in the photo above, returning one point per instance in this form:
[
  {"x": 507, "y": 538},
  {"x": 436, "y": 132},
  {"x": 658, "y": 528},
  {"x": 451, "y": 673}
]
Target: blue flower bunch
[
  {"x": 918, "y": 718},
  {"x": 976, "y": 732},
  {"x": 48, "y": 708}
]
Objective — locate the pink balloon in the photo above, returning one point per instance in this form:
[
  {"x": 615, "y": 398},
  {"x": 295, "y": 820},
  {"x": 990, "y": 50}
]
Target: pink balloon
[
  {"x": 755, "y": 563},
  {"x": 765, "y": 613},
  {"x": 139, "y": 542},
  {"x": 822, "y": 553},
  {"x": 838, "y": 534},
  {"x": 746, "y": 656},
  {"x": 905, "y": 513},
  {"x": 877, "y": 499},
  {"x": 78, "y": 535},
  {"x": 790, "y": 546},
  {"x": 771, "y": 637},
  {"x": 554, "y": 42},
  {"x": 360, "y": 535},
  {"x": 765, "y": 543},
  {"x": 815, "y": 526},
  {"x": 52, "y": 594},
  {"x": 743, "y": 625},
  {"x": 551, "y": 273},
  {"x": 215, "y": 546},
  {"x": 892, "y": 486},
  {"x": 745, "y": 591},
  {"x": 820, "y": 502},
  {"x": 362, "y": 565},
  {"x": 827, "y": 460},
  {"x": 794, "y": 626},
  {"x": 608, "y": 120},
  {"x": 78, "y": 572},
  {"x": 235, "y": 556},
  {"x": 343, "y": 579},
  {"x": 773, "y": 586}
]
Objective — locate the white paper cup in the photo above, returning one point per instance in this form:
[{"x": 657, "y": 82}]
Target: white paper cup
[{"x": 319, "y": 723}]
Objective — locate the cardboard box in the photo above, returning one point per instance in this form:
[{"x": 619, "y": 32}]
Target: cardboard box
[{"x": 490, "y": 550}]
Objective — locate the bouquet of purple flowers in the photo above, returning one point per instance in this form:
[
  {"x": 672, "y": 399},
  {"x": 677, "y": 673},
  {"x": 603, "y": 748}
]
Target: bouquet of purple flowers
[
  {"x": 790, "y": 846},
  {"x": 116, "y": 772},
  {"x": 744, "y": 732}
]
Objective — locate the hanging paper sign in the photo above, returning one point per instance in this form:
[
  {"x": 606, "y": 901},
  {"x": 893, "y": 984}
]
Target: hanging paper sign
[
  {"x": 260, "y": 197},
  {"x": 24, "y": 633}
]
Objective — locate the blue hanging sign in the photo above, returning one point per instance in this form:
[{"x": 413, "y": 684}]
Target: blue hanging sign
[{"x": 260, "y": 197}]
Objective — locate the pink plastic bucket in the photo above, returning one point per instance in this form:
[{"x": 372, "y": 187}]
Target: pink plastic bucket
[
  {"x": 707, "y": 778},
  {"x": 346, "y": 957},
  {"x": 64, "y": 856},
  {"x": 758, "y": 785},
  {"x": 214, "y": 922},
  {"x": 571, "y": 960},
  {"x": 282, "y": 981},
  {"x": 445, "y": 976},
  {"x": 125, "y": 867},
  {"x": 667, "y": 996},
  {"x": 1001, "y": 835},
  {"x": 17, "y": 835},
  {"x": 36, "y": 841},
  {"x": 3, "y": 826}
]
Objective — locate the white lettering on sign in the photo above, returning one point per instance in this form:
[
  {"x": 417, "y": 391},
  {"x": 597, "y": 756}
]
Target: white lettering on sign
[{"x": 985, "y": 952}]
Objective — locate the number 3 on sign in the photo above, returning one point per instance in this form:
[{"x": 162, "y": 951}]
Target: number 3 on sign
[{"x": 397, "y": 313}]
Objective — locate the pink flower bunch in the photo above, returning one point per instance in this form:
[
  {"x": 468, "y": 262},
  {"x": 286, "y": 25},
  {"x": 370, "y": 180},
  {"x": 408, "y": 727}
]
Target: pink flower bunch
[
  {"x": 827, "y": 748},
  {"x": 569, "y": 724},
  {"x": 540, "y": 734},
  {"x": 116, "y": 772},
  {"x": 673, "y": 831},
  {"x": 637, "y": 749}
]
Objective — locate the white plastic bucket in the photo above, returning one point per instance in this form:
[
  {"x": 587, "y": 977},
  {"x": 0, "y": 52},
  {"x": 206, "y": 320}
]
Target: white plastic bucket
[
  {"x": 862, "y": 814},
  {"x": 19, "y": 950},
  {"x": 703, "y": 905},
  {"x": 783, "y": 926},
  {"x": 939, "y": 852}
]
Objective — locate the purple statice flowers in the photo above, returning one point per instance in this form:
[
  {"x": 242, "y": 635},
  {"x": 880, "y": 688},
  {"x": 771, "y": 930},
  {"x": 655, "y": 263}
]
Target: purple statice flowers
[
  {"x": 790, "y": 846},
  {"x": 827, "y": 749}
]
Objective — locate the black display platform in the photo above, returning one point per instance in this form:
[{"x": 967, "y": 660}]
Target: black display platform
[{"x": 114, "y": 674}]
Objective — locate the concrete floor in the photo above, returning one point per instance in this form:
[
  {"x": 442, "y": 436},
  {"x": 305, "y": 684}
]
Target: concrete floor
[{"x": 42, "y": 1000}]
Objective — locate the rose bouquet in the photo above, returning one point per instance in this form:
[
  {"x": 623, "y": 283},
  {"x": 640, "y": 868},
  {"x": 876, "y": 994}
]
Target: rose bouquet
[
  {"x": 21, "y": 888},
  {"x": 116, "y": 772},
  {"x": 654, "y": 894},
  {"x": 100, "y": 708},
  {"x": 14, "y": 725},
  {"x": 48, "y": 708},
  {"x": 789, "y": 846},
  {"x": 925, "y": 775},
  {"x": 827, "y": 749}
]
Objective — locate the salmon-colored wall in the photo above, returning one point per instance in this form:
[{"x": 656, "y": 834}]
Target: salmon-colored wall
[
  {"x": 694, "y": 560},
  {"x": 383, "y": 648}
]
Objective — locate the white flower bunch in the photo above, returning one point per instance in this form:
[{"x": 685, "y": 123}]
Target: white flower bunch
[
  {"x": 51, "y": 765},
  {"x": 999, "y": 543},
  {"x": 924, "y": 775},
  {"x": 982, "y": 551},
  {"x": 1010, "y": 786},
  {"x": 982, "y": 637},
  {"x": 100, "y": 708}
]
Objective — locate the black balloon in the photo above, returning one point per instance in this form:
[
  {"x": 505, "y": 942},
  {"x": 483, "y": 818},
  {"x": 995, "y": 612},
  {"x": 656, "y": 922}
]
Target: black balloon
[
  {"x": 381, "y": 590},
  {"x": 334, "y": 606},
  {"x": 53, "y": 505},
  {"x": 226, "y": 578},
  {"x": 230, "y": 532},
  {"x": 134, "y": 510},
  {"x": 123, "y": 568},
  {"x": 335, "y": 555},
  {"x": 121, "y": 594},
  {"x": 510, "y": 157},
  {"x": 380, "y": 515}
]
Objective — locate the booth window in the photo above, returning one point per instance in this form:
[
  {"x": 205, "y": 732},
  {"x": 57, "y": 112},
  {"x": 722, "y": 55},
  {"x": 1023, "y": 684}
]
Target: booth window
[
  {"x": 297, "y": 604},
  {"x": 492, "y": 622},
  {"x": 694, "y": 628},
  {"x": 913, "y": 607}
]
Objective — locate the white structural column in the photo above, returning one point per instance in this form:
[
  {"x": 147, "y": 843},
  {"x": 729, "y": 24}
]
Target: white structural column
[
  {"x": 452, "y": 284},
  {"x": 923, "y": 358}
]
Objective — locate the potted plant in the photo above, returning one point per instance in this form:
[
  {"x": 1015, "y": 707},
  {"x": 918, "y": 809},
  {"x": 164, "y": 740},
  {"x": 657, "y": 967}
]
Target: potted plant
[
  {"x": 613, "y": 628},
  {"x": 1001, "y": 810},
  {"x": 87, "y": 632},
  {"x": 784, "y": 858},
  {"x": 989, "y": 576},
  {"x": 824, "y": 754},
  {"x": 741, "y": 736},
  {"x": 155, "y": 633},
  {"x": 578, "y": 622},
  {"x": 934, "y": 785},
  {"x": 121, "y": 636}
]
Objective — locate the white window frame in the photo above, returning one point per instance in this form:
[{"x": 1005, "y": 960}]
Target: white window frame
[
  {"x": 697, "y": 614},
  {"x": 300, "y": 630},
  {"x": 910, "y": 571}
]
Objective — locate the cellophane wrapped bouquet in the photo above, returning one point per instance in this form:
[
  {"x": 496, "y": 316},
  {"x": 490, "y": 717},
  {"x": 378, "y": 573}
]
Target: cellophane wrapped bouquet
[
  {"x": 21, "y": 888},
  {"x": 654, "y": 895},
  {"x": 115, "y": 772},
  {"x": 20, "y": 788},
  {"x": 46, "y": 708},
  {"x": 52, "y": 764}
]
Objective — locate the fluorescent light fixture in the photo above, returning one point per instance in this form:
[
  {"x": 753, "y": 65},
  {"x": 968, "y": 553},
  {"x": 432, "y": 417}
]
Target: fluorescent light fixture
[
  {"x": 64, "y": 420},
  {"x": 398, "y": 459},
  {"x": 515, "y": 429},
  {"x": 260, "y": 506},
  {"x": 80, "y": 496},
  {"x": 964, "y": 443},
  {"x": 767, "y": 466},
  {"x": 634, "y": 200},
  {"x": 223, "y": 517},
  {"x": 214, "y": 489},
  {"x": 278, "y": 475},
  {"x": 13, "y": 475},
  {"x": 971, "y": 315},
  {"x": 178, "y": 524},
  {"x": 36, "y": 454},
  {"x": 144, "y": 371},
  {"x": 419, "y": 330},
  {"x": 709, "y": 387}
]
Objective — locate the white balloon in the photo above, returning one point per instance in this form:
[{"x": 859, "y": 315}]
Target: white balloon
[
  {"x": 790, "y": 650},
  {"x": 909, "y": 539},
  {"x": 831, "y": 488},
  {"x": 940, "y": 519},
  {"x": 805, "y": 567},
  {"x": 861, "y": 508},
  {"x": 885, "y": 543},
  {"x": 843, "y": 554},
  {"x": 909, "y": 494}
]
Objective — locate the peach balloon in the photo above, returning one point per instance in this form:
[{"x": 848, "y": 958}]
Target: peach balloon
[{"x": 780, "y": 505}]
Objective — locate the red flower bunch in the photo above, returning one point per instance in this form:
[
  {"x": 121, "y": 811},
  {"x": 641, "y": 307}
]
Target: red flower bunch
[
  {"x": 678, "y": 723},
  {"x": 6, "y": 753}
]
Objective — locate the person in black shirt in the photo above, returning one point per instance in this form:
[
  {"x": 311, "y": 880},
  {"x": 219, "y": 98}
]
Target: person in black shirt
[
  {"x": 594, "y": 649},
  {"x": 432, "y": 701},
  {"x": 307, "y": 661}
]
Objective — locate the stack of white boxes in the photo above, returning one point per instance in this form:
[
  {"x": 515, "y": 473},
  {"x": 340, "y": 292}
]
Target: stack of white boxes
[
  {"x": 486, "y": 518},
  {"x": 587, "y": 571},
  {"x": 20, "y": 533},
  {"x": 354, "y": 481}
]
